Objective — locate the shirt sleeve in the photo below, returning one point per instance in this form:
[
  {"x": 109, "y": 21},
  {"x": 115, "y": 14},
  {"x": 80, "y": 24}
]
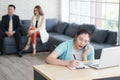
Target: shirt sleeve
[
  {"x": 61, "y": 48},
  {"x": 91, "y": 53}
]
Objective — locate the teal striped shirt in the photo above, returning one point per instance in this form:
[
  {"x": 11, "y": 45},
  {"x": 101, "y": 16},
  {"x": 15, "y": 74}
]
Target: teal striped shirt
[{"x": 65, "y": 50}]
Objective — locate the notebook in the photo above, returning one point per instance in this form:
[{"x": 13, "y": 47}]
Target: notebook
[{"x": 81, "y": 66}]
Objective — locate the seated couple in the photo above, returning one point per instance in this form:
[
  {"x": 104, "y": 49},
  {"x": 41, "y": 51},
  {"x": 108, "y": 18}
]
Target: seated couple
[
  {"x": 10, "y": 27},
  {"x": 70, "y": 52}
]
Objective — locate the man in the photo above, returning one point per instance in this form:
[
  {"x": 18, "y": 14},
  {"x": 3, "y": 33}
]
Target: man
[{"x": 10, "y": 27}]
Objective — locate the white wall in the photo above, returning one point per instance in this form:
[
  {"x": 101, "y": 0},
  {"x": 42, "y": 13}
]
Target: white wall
[
  {"x": 24, "y": 8},
  {"x": 64, "y": 10},
  {"x": 119, "y": 28}
]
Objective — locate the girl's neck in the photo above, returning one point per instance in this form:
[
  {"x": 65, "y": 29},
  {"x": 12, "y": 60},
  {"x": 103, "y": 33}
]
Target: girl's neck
[{"x": 37, "y": 17}]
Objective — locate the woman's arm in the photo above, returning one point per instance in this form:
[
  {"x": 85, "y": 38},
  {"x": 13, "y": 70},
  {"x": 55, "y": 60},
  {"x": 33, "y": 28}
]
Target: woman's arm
[
  {"x": 41, "y": 24},
  {"x": 52, "y": 59},
  {"x": 31, "y": 24},
  {"x": 43, "y": 21},
  {"x": 88, "y": 53},
  {"x": 85, "y": 53}
]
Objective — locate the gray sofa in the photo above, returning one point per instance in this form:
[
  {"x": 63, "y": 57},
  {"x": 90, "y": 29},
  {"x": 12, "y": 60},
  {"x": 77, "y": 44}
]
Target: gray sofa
[
  {"x": 62, "y": 31},
  {"x": 9, "y": 43}
]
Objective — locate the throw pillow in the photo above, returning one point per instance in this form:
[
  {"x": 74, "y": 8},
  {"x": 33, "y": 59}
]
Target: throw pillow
[
  {"x": 60, "y": 27},
  {"x": 99, "y": 35}
]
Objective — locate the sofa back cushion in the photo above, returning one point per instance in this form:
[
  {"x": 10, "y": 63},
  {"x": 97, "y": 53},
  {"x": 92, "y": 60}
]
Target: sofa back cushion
[
  {"x": 50, "y": 24},
  {"x": 111, "y": 38},
  {"x": 26, "y": 22},
  {"x": 24, "y": 26},
  {"x": 89, "y": 27},
  {"x": 24, "y": 29},
  {"x": 72, "y": 29},
  {"x": 99, "y": 35},
  {"x": 61, "y": 27}
]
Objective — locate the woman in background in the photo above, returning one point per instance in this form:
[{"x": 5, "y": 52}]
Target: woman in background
[{"x": 37, "y": 28}]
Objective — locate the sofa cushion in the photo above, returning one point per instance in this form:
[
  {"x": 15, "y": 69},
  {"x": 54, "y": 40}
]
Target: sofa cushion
[
  {"x": 26, "y": 22},
  {"x": 111, "y": 38},
  {"x": 9, "y": 41},
  {"x": 50, "y": 24},
  {"x": 89, "y": 27},
  {"x": 72, "y": 29},
  {"x": 9, "y": 49},
  {"x": 99, "y": 35},
  {"x": 24, "y": 29},
  {"x": 59, "y": 36},
  {"x": 60, "y": 27}
]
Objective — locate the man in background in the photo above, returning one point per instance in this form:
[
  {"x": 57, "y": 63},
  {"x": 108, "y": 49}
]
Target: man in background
[{"x": 10, "y": 27}]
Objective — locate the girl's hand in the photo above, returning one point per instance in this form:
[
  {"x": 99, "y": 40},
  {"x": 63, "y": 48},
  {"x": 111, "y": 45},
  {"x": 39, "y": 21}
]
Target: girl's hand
[
  {"x": 30, "y": 32},
  {"x": 73, "y": 63},
  {"x": 84, "y": 55}
]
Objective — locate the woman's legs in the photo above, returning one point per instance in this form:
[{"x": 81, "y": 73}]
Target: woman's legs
[
  {"x": 33, "y": 39},
  {"x": 28, "y": 44}
]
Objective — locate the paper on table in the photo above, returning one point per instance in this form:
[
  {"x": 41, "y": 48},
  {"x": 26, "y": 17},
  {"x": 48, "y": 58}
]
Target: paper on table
[{"x": 81, "y": 66}]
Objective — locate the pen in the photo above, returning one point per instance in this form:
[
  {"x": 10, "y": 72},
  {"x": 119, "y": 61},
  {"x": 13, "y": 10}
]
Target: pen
[
  {"x": 80, "y": 67},
  {"x": 74, "y": 56}
]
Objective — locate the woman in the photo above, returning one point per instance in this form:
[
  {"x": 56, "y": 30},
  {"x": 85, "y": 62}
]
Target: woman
[
  {"x": 37, "y": 28},
  {"x": 70, "y": 52}
]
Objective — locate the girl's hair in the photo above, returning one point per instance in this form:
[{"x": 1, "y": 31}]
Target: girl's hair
[
  {"x": 84, "y": 31},
  {"x": 39, "y": 10}
]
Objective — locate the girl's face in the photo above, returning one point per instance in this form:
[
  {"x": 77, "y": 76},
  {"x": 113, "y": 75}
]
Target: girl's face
[
  {"x": 81, "y": 41},
  {"x": 36, "y": 11}
]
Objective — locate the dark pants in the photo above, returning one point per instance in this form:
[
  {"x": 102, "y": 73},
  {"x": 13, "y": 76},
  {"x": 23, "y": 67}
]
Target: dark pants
[{"x": 17, "y": 37}]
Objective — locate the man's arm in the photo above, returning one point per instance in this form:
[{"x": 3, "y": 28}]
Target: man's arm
[
  {"x": 17, "y": 23},
  {"x": 2, "y": 28}
]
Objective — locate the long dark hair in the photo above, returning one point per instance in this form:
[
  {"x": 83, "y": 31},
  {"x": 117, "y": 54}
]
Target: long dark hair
[
  {"x": 84, "y": 31},
  {"x": 39, "y": 10}
]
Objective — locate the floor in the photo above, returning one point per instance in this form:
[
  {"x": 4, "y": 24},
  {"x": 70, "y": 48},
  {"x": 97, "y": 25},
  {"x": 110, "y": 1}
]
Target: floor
[{"x": 15, "y": 68}]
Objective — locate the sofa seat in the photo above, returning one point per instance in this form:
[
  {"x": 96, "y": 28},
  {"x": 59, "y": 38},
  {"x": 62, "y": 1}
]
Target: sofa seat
[
  {"x": 101, "y": 45},
  {"x": 9, "y": 45},
  {"x": 11, "y": 41}
]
